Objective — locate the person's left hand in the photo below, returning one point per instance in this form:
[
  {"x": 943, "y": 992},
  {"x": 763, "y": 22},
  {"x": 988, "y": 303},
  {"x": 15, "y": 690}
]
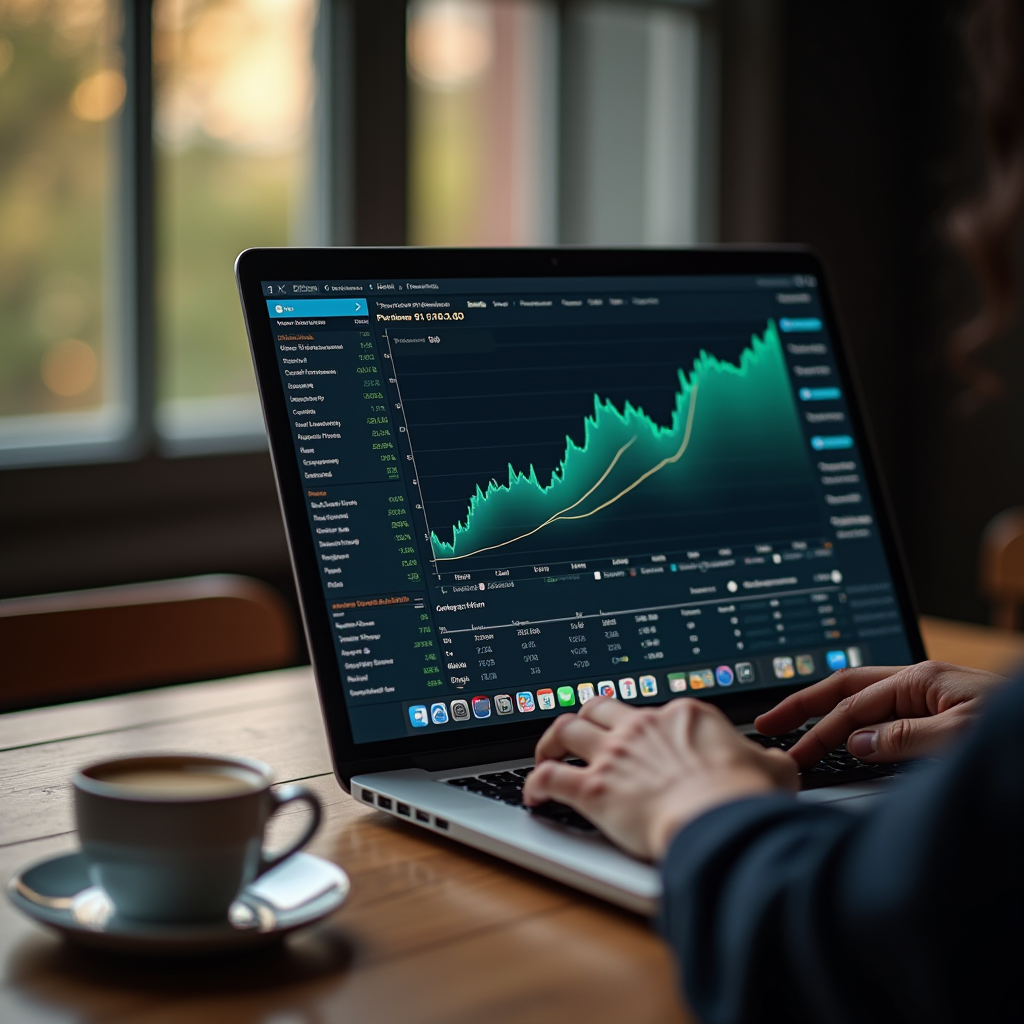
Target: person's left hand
[{"x": 649, "y": 772}]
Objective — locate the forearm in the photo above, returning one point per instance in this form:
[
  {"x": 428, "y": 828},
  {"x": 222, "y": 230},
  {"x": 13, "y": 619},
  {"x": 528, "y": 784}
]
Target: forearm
[{"x": 738, "y": 910}]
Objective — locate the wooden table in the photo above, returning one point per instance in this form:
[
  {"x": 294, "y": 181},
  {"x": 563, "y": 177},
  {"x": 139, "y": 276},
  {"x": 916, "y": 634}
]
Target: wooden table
[{"x": 432, "y": 931}]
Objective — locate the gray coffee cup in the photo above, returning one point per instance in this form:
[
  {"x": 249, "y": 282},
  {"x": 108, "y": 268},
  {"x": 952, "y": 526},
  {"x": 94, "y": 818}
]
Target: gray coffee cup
[{"x": 176, "y": 837}]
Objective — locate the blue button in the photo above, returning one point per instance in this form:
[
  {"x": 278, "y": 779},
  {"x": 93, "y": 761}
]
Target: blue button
[
  {"x": 438, "y": 713},
  {"x": 418, "y": 715},
  {"x": 836, "y": 660},
  {"x": 280, "y": 308},
  {"x": 820, "y": 394},
  {"x": 824, "y": 444},
  {"x": 801, "y": 325}
]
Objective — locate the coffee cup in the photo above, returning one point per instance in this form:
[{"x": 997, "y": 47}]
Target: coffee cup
[{"x": 176, "y": 837}]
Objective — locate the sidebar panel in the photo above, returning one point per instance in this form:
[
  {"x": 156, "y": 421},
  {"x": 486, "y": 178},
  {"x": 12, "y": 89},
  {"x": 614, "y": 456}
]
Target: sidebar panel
[{"x": 360, "y": 516}]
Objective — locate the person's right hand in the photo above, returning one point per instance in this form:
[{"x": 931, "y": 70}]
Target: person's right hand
[{"x": 883, "y": 714}]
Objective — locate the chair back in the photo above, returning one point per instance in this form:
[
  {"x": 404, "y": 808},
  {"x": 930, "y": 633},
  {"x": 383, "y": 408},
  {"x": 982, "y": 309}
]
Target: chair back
[
  {"x": 89, "y": 643},
  {"x": 1001, "y": 565}
]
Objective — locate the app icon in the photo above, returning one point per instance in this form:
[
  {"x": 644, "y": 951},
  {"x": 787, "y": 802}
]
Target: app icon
[
  {"x": 836, "y": 660},
  {"x": 460, "y": 710},
  {"x": 627, "y": 687},
  {"x": 649, "y": 686},
  {"x": 585, "y": 692},
  {"x": 855, "y": 656},
  {"x": 545, "y": 699},
  {"x": 566, "y": 698},
  {"x": 724, "y": 675},
  {"x": 606, "y": 688},
  {"x": 783, "y": 668},
  {"x": 677, "y": 681},
  {"x": 438, "y": 714},
  {"x": 418, "y": 715},
  {"x": 481, "y": 707},
  {"x": 525, "y": 701},
  {"x": 702, "y": 679},
  {"x": 804, "y": 665},
  {"x": 503, "y": 704},
  {"x": 745, "y": 671}
]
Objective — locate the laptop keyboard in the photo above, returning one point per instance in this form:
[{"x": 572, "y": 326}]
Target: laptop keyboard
[
  {"x": 508, "y": 787},
  {"x": 836, "y": 767}
]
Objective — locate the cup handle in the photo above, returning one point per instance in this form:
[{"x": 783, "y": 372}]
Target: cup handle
[{"x": 289, "y": 795}]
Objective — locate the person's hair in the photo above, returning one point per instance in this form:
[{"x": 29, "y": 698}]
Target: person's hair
[{"x": 985, "y": 229}]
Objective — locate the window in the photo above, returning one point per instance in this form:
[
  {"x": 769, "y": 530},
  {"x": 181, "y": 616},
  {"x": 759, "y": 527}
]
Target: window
[
  {"x": 232, "y": 127},
  {"x": 483, "y": 93},
  {"x": 514, "y": 107},
  {"x": 146, "y": 143},
  {"x": 62, "y": 91},
  {"x": 638, "y": 161}
]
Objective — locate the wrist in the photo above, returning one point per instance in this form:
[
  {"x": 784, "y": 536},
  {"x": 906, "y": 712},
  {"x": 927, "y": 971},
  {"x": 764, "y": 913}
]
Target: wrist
[{"x": 698, "y": 796}]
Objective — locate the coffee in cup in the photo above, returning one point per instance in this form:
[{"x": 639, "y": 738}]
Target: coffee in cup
[{"x": 176, "y": 837}]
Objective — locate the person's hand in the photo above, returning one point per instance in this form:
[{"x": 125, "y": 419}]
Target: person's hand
[
  {"x": 649, "y": 772},
  {"x": 882, "y": 714}
]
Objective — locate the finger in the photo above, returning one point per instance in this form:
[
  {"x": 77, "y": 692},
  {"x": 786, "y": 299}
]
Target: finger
[
  {"x": 570, "y": 734},
  {"x": 605, "y": 711},
  {"x": 553, "y": 780},
  {"x": 906, "y": 738},
  {"x": 874, "y": 704},
  {"x": 819, "y": 698},
  {"x": 698, "y": 716},
  {"x": 782, "y": 768}
]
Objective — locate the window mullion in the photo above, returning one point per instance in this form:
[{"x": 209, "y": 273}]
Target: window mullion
[
  {"x": 331, "y": 218},
  {"x": 137, "y": 258},
  {"x": 380, "y": 106}
]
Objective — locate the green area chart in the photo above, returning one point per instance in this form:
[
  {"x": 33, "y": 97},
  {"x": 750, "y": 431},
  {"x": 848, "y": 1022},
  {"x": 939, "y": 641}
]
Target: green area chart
[{"x": 734, "y": 430}]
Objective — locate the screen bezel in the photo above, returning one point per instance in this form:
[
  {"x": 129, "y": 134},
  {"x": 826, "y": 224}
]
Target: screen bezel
[{"x": 514, "y": 739}]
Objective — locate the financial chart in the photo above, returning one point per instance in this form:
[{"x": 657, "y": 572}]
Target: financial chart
[{"x": 588, "y": 443}]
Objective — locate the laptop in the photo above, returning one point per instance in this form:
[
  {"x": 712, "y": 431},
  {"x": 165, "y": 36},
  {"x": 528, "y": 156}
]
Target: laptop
[{"x": 513, "y": 480}]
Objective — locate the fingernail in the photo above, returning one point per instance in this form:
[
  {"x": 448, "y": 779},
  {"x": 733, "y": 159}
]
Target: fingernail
[{"x": 863, "y": 743}]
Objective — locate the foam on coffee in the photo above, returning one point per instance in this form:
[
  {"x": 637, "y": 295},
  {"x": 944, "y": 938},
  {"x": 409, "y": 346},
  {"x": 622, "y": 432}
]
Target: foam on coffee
[{"x": 187, "y": 781}]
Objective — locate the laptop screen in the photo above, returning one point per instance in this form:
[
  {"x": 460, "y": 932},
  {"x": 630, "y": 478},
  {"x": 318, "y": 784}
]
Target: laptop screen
[{"x": 528, "y": 492}]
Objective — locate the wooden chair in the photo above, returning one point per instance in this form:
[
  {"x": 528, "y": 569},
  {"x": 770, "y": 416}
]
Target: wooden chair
[
  {"x": 1001, "y": 565},
  {"x": 88, "y": 643}
]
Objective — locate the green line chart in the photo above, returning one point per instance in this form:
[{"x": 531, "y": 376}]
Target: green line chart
[{"x": 727, "y": 419}]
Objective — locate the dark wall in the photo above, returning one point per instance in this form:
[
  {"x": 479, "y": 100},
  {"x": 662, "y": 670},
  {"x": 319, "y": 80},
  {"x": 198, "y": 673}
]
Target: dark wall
[{"x": 879, "y": 139}]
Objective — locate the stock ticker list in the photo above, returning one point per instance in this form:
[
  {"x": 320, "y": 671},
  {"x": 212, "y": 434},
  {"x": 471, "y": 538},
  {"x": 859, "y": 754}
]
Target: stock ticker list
[
  {"x": 525, "y": 491},
  {"x": 359, "y": 513}
]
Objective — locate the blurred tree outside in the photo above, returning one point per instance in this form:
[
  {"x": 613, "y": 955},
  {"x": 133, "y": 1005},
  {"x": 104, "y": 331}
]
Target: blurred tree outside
[
  {"x": 61, "y": 88},
  {"x": 234, "y": 86}
]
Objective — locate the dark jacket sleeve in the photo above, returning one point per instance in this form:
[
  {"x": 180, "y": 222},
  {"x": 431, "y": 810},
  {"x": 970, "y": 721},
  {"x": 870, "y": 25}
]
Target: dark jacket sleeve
[{"x": 910, "y": 911}]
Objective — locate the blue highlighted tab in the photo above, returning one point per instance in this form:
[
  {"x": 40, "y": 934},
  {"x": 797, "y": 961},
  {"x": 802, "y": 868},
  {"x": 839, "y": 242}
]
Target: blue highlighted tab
[
  {"x": 280, "y": 308},
  {"x": 832, "y": 442},
  {"x": 792, "y": 325},
  {"x": 820, "y": 394}
]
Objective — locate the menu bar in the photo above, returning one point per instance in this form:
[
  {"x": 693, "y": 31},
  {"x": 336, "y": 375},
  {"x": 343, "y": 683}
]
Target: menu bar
[{"x": 673, "y": 283}]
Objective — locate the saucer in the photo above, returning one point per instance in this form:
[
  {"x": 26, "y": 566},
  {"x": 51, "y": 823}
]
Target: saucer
[{"x": 58, "y": 893}]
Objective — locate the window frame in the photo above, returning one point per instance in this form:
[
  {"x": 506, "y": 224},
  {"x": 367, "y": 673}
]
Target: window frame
[{"x": 129, "y": 317}]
